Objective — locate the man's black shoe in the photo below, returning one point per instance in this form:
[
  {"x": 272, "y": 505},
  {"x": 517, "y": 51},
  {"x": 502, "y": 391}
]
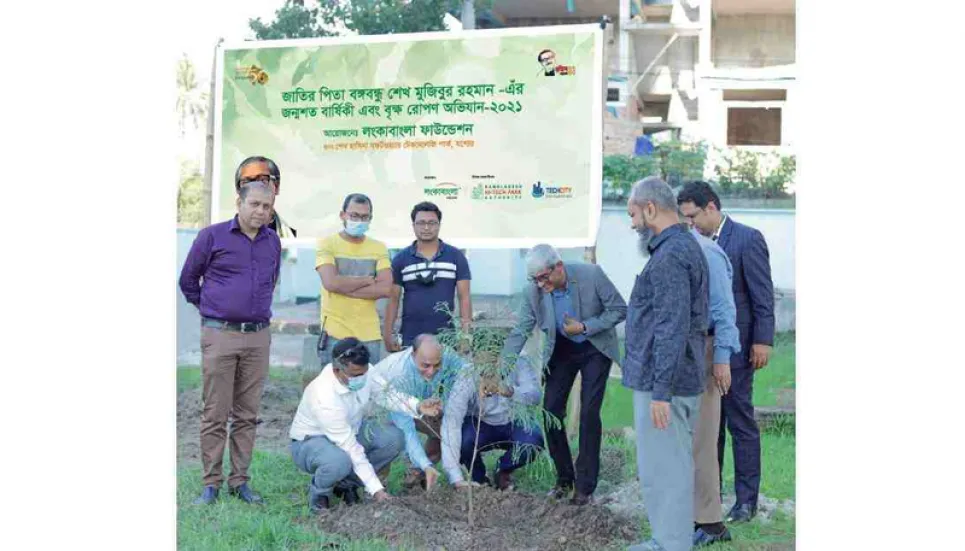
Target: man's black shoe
[
  {"x": 349, "y": 497},
  {"x": 245, "y": 494},
  {"x": 320, "y": 504},
  {"x": 208, "y": 496},
  {"x": 581, "y": 499},
  {"x": 741, "y": 512},
  {"x": 561, "y": 490},
  {"x": 702, "y": 538}
]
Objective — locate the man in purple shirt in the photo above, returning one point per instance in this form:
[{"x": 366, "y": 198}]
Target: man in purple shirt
[{"x": 230, "y": 276}]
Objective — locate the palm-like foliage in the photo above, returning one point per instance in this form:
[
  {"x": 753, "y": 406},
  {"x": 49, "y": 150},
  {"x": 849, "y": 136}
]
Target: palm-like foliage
[{"x": 192, "y": 106}]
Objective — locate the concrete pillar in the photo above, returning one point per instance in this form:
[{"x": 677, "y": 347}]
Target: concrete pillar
[
  {"x": 704, "y": 62},
  {"x": 468, "y": 15},
  {"x": 624, "y": 38}
]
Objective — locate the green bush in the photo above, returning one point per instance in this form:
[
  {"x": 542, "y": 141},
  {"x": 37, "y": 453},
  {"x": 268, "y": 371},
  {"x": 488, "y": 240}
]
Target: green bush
[
  {"x": 675, "y": 161},
  {"x": 752, "y": 174}
]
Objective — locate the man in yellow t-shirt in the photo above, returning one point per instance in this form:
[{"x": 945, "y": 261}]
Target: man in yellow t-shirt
[{"x": 355, "y": 272}]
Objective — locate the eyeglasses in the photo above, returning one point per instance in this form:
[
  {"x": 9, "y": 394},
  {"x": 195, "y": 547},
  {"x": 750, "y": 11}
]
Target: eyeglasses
[
  {"x": 263, "y": 178},
  {"x": 355, "y": 217},
  {"x": 542, "y": 278},
  {"x": 426, "y": 223}
]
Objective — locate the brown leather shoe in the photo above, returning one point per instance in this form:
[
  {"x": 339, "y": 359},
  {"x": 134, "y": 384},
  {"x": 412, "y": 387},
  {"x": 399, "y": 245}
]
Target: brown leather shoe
[
  {"x": 581, "y": 499},
  {"x": 504, "y": 480}
]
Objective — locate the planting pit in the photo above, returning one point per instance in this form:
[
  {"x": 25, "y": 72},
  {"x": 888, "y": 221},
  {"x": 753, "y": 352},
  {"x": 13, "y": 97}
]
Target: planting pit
[{"x": 503, "y": 520}]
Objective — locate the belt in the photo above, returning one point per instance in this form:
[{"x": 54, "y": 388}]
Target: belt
[{"x": 243, "y": 327}]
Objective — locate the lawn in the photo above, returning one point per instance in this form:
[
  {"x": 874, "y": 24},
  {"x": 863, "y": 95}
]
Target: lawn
[{"x": 285, "y": 522}]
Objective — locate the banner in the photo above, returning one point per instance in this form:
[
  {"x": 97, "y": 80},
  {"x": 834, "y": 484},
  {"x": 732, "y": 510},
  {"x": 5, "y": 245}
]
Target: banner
[{"x": 502, "y": 129}]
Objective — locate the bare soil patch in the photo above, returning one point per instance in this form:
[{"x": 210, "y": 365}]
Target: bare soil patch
[
  {"x": 278, "y": 404},
  {"x": 503, "y": 520}
]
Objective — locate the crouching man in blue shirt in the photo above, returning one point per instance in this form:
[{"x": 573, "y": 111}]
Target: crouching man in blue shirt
[{"x": 424, "y": 370}]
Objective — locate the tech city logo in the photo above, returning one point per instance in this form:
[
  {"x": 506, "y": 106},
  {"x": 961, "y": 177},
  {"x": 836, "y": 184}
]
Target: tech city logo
[{"x": 551, "y": 192}]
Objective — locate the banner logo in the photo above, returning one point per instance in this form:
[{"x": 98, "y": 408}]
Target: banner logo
[
  {"x": 252, "y": 73},
  {"x": 497, "y": 192},
  {"x": 551, "y": 192},
  {"x": 447, "y": 190},
  {"x": 547, "y": 60}
]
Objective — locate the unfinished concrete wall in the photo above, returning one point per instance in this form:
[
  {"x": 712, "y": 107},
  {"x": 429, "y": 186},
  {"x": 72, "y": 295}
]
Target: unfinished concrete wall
[
  {"x": 753, "y": 40},
  {"x": 619, "y": 134},
  {"x": 673, "y": 70}
]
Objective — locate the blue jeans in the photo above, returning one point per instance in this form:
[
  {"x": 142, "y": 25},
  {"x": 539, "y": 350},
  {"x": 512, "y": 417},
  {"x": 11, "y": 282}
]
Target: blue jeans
[
  {"x": 521, "y": 445},
  {"x": 330, "y": 466}
]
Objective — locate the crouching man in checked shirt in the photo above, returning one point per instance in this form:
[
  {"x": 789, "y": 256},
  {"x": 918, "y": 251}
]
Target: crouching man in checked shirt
[{"x": 486, "y": 402}]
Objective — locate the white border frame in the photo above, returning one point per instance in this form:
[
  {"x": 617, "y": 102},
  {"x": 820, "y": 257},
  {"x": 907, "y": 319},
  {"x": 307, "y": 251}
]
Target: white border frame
[{"x": 596, "y": 114}]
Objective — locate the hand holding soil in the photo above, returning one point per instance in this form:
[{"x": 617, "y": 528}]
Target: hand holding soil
[
  {"x": 432, "y": 475},
  {"x": 571, "y": 325},
  {"x": 430, "y": 407},
  {"x": 488, "y": 386},
  {"x": 381, "y": 496}
]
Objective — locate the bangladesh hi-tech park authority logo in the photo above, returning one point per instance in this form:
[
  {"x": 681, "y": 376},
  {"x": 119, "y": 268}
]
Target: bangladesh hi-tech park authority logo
[{"x": 497, "y": 192}]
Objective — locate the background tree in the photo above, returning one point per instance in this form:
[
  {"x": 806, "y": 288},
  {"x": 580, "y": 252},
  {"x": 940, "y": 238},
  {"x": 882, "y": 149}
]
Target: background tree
[
  {"x": 190, "y": 200},
  {"x": 334, "y": 17},
  {"x": 192, "y": 105}
]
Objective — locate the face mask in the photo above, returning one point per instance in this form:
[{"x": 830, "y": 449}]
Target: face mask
[
  {"x": 356, "y": 229},
  {"x": 356, "y": 384}
]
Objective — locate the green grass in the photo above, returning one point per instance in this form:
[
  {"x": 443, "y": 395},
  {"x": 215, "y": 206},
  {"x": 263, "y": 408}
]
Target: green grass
[
  {"x": 189, "y": 377},
  {"x": 779, "y": 374},
  {"x": 284, "y": 523}
]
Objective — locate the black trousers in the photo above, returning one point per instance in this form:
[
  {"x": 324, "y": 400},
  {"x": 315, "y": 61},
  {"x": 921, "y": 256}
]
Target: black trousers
[
  {"x": 568, "y": 359},
  {"x": 737, "y": 414}
]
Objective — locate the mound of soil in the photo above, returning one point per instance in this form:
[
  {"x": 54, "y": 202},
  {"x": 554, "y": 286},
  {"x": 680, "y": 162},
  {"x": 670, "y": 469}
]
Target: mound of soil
[
  {"x": 503, "y": 520},
  {"x": 278, "y": 404}
]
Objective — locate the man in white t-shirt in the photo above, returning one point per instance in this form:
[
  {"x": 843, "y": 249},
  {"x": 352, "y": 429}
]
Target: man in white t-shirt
[{"x": 335, "y": 437}]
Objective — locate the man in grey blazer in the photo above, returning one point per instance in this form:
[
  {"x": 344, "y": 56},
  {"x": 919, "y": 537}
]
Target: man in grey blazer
[{"x": 577, "y": 308}]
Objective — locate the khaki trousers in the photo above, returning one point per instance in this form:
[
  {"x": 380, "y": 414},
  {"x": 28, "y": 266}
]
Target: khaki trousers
[
  {"x": 234, "y": 367},
  {"x": 707, "y": 506}
]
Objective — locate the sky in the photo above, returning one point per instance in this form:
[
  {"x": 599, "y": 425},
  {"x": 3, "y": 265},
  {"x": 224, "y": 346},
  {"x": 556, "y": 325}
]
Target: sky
[{"x": 203, "y": 24}]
